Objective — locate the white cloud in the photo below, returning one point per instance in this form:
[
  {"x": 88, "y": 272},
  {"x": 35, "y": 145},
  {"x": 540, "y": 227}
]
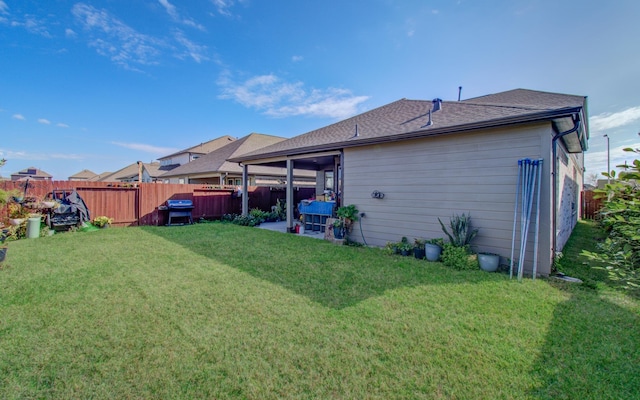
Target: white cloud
[
  {"x": 223, "y": 6},
  {"x": 19, "y": 116},
  {"x": 173, "y": 13},
  {"x": 70, "y": 33},
  {"x": 196, "y": 52},
  {"x": 596, "y": 161},
  {"x": 147, "y": 148},
  {"x": 4, "y": 8},
  {"x": 297, "y": 58},
  {"x": 61, "y": 125},
  {"x": 33, "y": 25},
  {"x": 44, "y": 121},
  {"x": 277, "y": 98},
  {"x": 116, "y": 40},
  {"x": 602, "y": 122},
  {"x": 23, "y": 155}
]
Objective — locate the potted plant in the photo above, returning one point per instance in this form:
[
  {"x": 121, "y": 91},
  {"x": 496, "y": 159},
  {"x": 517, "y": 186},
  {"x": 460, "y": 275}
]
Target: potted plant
[
  {"x": 348, "y": 214},
  {"x": 433, "y": 249},
  {"x": 461, "y": 233},
  {"x": 17, "y": 213},
  {"x": 405, "y": 247},
  {"x": 418, "y": 248},
  {"x": 489, "y": 261},
  {"x": 338, "y": 228},
  {"x": 102, "y": 221}
]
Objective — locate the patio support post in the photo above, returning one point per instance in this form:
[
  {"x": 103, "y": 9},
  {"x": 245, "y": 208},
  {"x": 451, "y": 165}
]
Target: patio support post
[
  {"x": 290, "y": 205},
  {"x": 245, "y": 189}
]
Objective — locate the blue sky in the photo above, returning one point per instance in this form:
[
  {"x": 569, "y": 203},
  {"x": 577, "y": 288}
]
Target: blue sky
[{"x": 101, "y": 84}]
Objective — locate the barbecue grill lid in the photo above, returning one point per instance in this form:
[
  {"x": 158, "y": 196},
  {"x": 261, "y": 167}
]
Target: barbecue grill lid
[{"x": 179, "y": 203}]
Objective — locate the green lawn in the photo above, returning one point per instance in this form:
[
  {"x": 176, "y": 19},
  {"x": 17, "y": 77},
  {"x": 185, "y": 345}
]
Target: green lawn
[{"x": 222, "y": 311}]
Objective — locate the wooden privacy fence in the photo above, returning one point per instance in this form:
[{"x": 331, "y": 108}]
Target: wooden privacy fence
[
  {"x": 137, "y": 203},
  {"x": 590, "y": 206}
]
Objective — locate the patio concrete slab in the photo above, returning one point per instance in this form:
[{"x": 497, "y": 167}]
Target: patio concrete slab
[{"x": 282, "y": 227}]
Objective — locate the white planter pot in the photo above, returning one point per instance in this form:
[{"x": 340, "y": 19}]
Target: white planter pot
[
  {"x": 489, "y": 262},
  {"x": 432, "y": 251}
]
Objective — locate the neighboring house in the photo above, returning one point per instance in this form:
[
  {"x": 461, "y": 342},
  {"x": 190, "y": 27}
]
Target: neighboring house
[
  {"x": 31, "y": 173},
  {"x": 84, "y": 175},
  {"x": 193, "y": 153},
  {"x": 214, "y": 169},
  {"x": 137, "y": 172},
  {"x": 434, "y": 159}
]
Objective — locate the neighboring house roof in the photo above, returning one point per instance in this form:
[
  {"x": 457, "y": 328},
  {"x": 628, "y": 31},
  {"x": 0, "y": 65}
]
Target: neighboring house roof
[
  {"x": 85, "y": 174},
  {"x": 204, "y": 148},
  {"x": 216, "y": 161},
  {"x": 31, "y": 173},
  {"x": 131, "y": 171},
  {"x": 407, "y": 119},
  {"x": 99, "y": 177}
]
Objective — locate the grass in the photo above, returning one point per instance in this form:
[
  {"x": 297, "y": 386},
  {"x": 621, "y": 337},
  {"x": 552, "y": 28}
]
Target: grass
[{"x": 221, "y": 311}]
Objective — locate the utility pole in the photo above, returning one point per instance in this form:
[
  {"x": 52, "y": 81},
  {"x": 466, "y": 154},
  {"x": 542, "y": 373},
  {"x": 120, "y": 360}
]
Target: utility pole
[{"x": 608, "y": 161}]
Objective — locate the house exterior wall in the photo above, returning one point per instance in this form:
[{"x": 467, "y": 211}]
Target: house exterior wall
[
  {"x": 430, "y": 178},
  {"x": 570, "y": 182},
  {"x": 179, "y": 159}
]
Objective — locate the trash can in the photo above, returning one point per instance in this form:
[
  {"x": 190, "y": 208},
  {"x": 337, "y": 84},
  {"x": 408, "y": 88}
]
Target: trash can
[{"x": 33, "y": 227}]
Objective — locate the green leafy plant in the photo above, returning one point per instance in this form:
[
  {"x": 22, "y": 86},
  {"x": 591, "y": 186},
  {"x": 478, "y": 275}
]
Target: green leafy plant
[
  {"x": 280, "y": 210},
  {"x": 461, "y": 233},
  {"x": 349, "y": 212},
  {"x": 620, "y": 218},
  {"x": 16, "y": 210},
  {"x": 436, "y": 241},
  {"x": 258, "y": 215},
  {"x": 459, "y": 258},
  {"x": 102, "y": 220}
]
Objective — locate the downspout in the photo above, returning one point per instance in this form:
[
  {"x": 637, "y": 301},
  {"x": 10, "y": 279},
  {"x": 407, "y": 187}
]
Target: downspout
[
  {"x": 340, "y": 178},
  {"x": 554, "y": 211}
]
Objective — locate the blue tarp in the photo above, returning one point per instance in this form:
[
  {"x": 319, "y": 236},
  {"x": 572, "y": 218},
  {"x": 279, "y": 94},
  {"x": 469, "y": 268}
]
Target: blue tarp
[{"x": 317, "y": 207}]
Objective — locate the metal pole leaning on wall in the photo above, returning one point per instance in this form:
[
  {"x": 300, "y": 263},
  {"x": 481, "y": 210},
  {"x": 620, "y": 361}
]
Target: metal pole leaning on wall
[
  {"x": 535, "y": 245},
  {"x": 529, "y": 178},
  {"x": 515, "y": 220}
]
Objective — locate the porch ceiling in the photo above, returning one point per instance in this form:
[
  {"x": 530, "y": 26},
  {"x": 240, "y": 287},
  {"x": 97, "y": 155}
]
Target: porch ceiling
[{"x": 311, "y": 162}]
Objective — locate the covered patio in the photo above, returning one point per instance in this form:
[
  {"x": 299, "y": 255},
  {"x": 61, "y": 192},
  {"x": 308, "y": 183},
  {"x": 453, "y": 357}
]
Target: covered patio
[{"x": 328, "y": 168}]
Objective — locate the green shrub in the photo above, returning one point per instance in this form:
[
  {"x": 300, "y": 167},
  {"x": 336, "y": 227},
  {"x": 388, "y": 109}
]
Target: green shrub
[
  {"x": 620, "y": 218},
  {"x": 459, "y": 258}
]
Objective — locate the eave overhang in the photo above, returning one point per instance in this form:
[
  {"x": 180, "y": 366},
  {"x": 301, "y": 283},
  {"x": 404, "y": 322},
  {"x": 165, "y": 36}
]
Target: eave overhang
[{"x": 560, "y": 115}]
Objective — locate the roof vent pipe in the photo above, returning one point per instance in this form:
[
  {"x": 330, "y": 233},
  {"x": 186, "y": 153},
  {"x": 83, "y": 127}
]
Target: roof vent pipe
[
  {"x": 429, "y": 123},
  {"x": 356, "y": 134},
  {"x": 459, "y": 92},
  {"x": 437, "y": 105}
]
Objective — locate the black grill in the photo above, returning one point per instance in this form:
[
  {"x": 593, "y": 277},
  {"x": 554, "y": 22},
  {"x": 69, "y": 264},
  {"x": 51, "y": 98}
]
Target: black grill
[{"x": 180, "y": 209}]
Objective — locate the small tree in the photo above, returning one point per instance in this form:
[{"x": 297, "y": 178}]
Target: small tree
[{"x": 620, "y": 218}]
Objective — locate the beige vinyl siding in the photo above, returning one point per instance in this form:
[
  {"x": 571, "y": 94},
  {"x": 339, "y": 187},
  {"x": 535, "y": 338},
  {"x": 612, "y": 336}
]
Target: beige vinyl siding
[
  {"x": 424, "y": 179},
  {"x": 570, "y": 184}
]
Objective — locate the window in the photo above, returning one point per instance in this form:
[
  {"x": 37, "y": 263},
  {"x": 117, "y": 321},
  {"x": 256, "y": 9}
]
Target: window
[{"x": 328, "y": 180}]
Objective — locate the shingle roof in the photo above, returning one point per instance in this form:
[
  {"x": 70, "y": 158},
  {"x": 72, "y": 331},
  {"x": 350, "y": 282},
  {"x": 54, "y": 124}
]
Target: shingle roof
[
  {"x": 84, "y": 174},
  {"x": 216, "y": 161},
  {"x": 206, "y": 147},
  {"x": 131, "y": 170},
  {"x": 31, "y": 172},
  {"x": 405, "y": 119}
]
